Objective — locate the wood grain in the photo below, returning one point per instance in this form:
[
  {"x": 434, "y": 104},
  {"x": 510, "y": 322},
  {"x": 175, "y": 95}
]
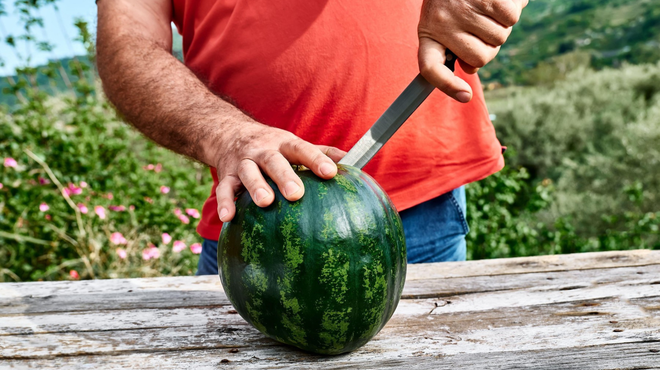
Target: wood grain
[
  {"x": 613, "y": 356},
  {"x": 579, "y": 311}
]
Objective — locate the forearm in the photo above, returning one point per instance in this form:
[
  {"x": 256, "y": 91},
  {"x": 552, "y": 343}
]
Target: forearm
[{"x": 160, "y": 96}]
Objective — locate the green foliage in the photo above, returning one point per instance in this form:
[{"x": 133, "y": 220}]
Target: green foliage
[
  {"x": 596, "y": 138},
  {"x": 581, "y": 174},
  {"x": 505, "y": 214},
  {"x": 554, "y": 37},
  {"x": 76, "y": 142},
  {"x": 81, "y": 140},
  {"x": 501, "y": 210}
]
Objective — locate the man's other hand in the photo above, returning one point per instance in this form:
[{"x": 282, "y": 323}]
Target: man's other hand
[
  {"x": 256, "y": 148},
  {"x": 473, "y": 29}
]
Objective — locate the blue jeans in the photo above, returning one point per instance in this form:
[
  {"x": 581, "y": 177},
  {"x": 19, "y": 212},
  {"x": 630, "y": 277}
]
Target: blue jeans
[{"x": 435, "y": 232}]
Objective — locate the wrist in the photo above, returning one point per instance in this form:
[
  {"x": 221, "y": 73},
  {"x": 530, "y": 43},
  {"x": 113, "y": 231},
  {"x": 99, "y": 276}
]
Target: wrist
[{"x": 226, "y": 136}]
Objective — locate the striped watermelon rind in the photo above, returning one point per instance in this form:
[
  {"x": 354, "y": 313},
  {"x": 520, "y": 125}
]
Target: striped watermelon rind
[{"x": 324, "y": 273}]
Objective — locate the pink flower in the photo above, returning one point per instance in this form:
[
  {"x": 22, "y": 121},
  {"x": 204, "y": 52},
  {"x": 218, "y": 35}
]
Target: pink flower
[
  {"x": 43, "y": 207},
  {"x": 192, "y": 212},
  {"x": 100, "y": 211},
  {"x": 178, "y": 246},
  {"x": 148, "y": 167},
  {"x": 164, "y": 189},
  {"x": 10, "y": 162},
  {"x": 117, "y": 239},
  {"x": 72, "y": 189},
  {"x": 184, "y": 219},
  {"x": 117, "y": 208},
  {"x": 158, "y": 168},
  {"x": 83, "y": 208},
  {"x": 83, "y": 184},
  {"x": 177, "y": 211},
  {"x": 1, "y": 186},
  {"x": 110, "y": 196},
  {"x": 131, "y": 207},
  {"x": 150, "y": 252},
  {"x": 74, "y": 275},
  {"x": 122, "y": 253},
  {"x": 47, "y": 217},
  {"x": 196, "y": 248},
  {"x": 148, "y": 200},
  {"x": 166, "y": 238},
  {"x": 43, "y": 181}
]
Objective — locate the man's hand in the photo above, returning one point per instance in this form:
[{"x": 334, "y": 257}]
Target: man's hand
[
  {"x": 258, "y": 147},
  {"x": 473, "y": 29},
  {"x": 170, "y": 105}
]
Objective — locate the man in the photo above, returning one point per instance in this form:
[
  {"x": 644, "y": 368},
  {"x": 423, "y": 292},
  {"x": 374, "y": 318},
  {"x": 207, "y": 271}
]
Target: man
[{"x": 301, "y": 81}]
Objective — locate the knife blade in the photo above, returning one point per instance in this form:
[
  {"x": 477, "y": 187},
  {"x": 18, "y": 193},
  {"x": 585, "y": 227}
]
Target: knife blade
[{"x": 390, "y": 121}]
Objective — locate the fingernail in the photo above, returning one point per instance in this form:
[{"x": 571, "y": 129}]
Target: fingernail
[
  {"x": 291, "y": 188},
  {"x": 223, "y": 213},
  {"x": 326, "y": 169},
  {"x": 463, "y": 96},
  {"x": 259, "y": 195}
]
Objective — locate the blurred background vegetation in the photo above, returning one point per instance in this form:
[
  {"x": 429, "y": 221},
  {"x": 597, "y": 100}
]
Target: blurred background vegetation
[{"x": 574, "y": 94}]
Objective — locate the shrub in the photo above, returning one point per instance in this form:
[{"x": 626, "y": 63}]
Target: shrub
[
  {"x": 596, "y": 136},
  {"x": 73, "y": 153}
]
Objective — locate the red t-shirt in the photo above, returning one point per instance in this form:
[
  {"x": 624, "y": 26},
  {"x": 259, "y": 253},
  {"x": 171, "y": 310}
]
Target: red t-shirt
[{"x": 326, "y": 70}]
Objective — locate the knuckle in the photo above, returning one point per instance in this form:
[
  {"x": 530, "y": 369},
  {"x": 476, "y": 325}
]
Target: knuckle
[
  {"x": 425, "y": 68},
  {"x": 479, "y": 60},
  {"x": 500, "y": 38},
  {"x": 507, "y": 12},
  {"x": 319, "y": 159},
  {"x": 243, "y": 168},
  {"x": 270, "y": 158},
  {"x": 299, "y": 146},
  {"x": 247, "y": 177}
]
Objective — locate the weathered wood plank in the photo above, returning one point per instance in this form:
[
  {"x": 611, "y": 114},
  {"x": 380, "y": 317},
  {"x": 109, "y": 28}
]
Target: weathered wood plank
[
  {"x": 637, "y": 355},
  {"x": 526, "y": 319},
  {"x": 410, "y": 314},
  {"x": 171, "y": 293},
  {"x": 431, "y": 271},
  {"x": 523, "y": 265},
  {"x": 182, "y": 316},
  {"x": 601, "y": 309},
  {"x": 442, "y": 287}
]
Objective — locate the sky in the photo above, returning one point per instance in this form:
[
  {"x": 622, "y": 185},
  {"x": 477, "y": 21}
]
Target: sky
[{"x": 52, "y": 32}]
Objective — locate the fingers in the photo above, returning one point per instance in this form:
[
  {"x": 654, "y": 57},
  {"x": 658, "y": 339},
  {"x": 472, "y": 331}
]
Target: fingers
[
  {"x": 431, "y": 66},
  {"x": 277, "y": 167},
  {"x": 272, "y": 154},
  {"x": 488, "y": 30},
  {"x": 505, "y": 12},
  {"x": 333, "y": 153},
  {"x": 254, "y": 182},
  {"x": 473, "y": 29},
  {"x": 301, "y": 152},
  {"x": 225, "y": 194},
  {"x": 467, "y": 68},
  {"x": 472, "y": 50}
]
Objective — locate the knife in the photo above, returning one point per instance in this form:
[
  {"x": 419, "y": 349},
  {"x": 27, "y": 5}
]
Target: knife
[{"x": 390, "y": 121}]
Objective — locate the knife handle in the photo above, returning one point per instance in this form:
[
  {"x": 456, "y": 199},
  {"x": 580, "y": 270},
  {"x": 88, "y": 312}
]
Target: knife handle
[{"x": 450, "y": 60}]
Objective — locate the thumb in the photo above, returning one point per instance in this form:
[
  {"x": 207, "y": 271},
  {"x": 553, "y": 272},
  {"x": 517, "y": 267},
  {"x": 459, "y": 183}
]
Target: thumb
[{"x": 431, "y": 59}]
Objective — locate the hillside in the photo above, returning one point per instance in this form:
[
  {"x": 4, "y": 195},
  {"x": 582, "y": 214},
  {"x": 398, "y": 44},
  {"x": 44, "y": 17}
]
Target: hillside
[
  {"x": 552, "y": 38},
  {"x": 54, "y": 78},
  {"x": 556, "y": 36}
]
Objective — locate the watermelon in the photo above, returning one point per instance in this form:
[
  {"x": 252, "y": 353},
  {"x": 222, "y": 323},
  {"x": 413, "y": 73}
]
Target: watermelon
[{"x": 324, "y": 273}]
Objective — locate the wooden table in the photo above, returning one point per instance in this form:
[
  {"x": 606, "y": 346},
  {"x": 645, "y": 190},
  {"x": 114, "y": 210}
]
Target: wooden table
[{"x": 595, "y": 310}]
